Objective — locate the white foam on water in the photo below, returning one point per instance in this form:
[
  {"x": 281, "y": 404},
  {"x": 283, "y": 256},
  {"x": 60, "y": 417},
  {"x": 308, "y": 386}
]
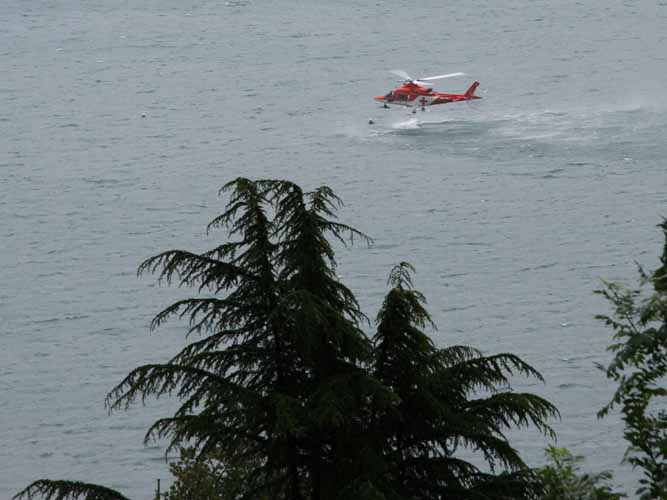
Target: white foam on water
[{"x": 409, "y": 124}]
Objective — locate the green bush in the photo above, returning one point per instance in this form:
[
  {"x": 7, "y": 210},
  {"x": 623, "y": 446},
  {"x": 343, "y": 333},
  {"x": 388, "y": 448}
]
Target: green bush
[
  {"x": 639, "y": 367},
  {"x": 563, "y": 480},
  {"x": 204, "y": 478}
]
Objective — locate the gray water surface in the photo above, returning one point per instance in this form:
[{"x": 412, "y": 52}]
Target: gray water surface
[{"x": 120, "y": 121}]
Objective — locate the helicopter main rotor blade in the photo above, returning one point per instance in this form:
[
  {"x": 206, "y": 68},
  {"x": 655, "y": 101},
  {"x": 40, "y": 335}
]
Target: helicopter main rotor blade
[
  {"x": 401, "y": 73},
  {"x": 438, "y": 77}
]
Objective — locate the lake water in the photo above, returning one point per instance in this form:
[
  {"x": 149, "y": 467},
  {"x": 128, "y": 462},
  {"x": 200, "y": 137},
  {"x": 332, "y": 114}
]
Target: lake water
[{"x": 120, "y": 121}]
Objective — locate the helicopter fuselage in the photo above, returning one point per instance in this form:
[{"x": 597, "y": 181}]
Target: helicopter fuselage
[{"x": 413, "y": 95}]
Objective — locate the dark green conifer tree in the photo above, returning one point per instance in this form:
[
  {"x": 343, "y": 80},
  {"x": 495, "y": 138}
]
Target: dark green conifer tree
[
  {"x": 639, "y": 367},
  {"x": 448, "y": 399},
  {"x": 274, "y": 382},
  {"x": 325, "y": 321}
]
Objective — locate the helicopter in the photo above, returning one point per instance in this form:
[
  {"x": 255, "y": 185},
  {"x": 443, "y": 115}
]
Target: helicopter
[{"x": 418, "y": 93}]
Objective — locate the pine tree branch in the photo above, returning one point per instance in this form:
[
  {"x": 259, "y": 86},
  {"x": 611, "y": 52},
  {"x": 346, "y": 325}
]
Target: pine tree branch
[
  {"x": 191, "y": 269},
  {"x": 68, "y": 490},
  {"x": 159, "y": 379}
]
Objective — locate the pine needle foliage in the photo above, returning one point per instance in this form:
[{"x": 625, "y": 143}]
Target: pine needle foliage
[
  {"x": 639, "y": 367},
  {"x": 68, "y": 490},
  {"x": 280, "y": 385},
  {"x": 277, "y": 377},
  {"x": 447, "y": 399}
]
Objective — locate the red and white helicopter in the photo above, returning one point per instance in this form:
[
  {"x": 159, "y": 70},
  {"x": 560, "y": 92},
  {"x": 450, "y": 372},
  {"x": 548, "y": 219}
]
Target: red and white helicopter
[{"x": 417, "y": 92}]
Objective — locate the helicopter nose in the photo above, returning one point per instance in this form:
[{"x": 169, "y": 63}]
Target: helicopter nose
[{"x": 379, "y": 98}]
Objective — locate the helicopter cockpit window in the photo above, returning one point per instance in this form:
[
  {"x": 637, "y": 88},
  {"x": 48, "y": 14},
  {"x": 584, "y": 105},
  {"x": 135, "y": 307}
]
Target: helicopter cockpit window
[{"x": 402, "y": 97}]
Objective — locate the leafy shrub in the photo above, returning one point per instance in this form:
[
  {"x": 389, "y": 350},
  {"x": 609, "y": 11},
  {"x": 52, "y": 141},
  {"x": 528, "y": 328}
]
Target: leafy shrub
[{"x": 563, "y": 480}]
